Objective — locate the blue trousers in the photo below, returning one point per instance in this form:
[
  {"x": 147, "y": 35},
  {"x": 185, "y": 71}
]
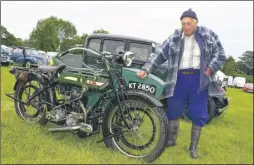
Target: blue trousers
[{"x": 186, "y": 96}]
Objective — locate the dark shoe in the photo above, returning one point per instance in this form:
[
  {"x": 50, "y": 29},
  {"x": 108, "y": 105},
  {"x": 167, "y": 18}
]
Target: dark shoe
[
  {"x": 195, "y": 135},
  {"x": 173, "y": 126}
]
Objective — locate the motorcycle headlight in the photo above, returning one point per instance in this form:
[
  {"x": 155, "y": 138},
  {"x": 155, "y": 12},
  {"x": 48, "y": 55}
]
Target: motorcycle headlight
[
  {"x": 128, "y": 58},
  {"x": 35, "y": 59}
]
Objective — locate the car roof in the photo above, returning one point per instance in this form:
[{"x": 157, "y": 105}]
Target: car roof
[
  {"x": 115, "y": 36},
  {"x": 23, "y": 47}
]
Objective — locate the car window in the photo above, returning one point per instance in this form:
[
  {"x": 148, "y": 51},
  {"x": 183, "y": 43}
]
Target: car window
[
  {"x": 95, "y": 44},
  {"x": 113, "y": 46},
  {"x": 17, "y": 50},
  {"x": 34, "y": 52},
  {"x": 142, "y": 51},
  {"x": 73, "y": 60},
  {"x": 28, "y": 51}
]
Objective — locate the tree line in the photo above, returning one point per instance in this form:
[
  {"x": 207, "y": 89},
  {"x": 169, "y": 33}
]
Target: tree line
[{"x": 52, "y": 33}]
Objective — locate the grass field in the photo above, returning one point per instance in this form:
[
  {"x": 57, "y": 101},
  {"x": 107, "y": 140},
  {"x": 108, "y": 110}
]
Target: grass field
[{"x": 227, "y": 139}]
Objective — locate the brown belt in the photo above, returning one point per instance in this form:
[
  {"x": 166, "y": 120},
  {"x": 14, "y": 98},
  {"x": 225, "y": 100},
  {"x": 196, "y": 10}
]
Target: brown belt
[{"x": 188, "y": 72}]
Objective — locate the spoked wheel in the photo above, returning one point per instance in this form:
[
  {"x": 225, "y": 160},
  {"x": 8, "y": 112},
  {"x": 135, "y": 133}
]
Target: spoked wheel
[
  {"x": 147, "y": 136},
  {"x": 33, "y": 112}
]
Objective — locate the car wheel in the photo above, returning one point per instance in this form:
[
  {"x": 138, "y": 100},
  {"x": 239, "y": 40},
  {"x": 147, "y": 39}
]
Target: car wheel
[
  {"x": 211, "y": 107},
  {"x": 27, "y": 64}
]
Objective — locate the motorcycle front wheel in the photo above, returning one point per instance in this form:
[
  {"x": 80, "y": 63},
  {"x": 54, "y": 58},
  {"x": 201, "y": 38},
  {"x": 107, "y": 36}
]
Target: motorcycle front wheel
[{"x": 147, "y": 137}]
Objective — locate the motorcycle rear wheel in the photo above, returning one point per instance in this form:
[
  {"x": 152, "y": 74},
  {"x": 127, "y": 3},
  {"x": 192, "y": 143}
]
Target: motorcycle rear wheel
[{"x": 35, "y": 111}]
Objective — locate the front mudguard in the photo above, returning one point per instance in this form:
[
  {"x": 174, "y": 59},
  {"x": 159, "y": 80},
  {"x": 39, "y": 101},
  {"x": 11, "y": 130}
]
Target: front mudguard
[{"x": 146, "y": 97}]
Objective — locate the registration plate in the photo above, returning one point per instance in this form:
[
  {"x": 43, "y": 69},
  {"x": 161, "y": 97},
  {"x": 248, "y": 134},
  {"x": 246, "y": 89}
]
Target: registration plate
[{"x": 141, "y": 86}]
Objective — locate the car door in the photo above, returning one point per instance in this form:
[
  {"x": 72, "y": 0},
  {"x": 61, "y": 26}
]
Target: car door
[
  {"x": 16, "y": 53},
  {"x": 17, "y": 56}
]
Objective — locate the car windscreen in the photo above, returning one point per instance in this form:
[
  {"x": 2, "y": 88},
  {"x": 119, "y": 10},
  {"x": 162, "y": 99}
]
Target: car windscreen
[
  {"x": 73, "y": 60},
  {"x": 142, "y": 51},
  {"x": 113, "y": 46},
  {"x": 94, "y": 44}
]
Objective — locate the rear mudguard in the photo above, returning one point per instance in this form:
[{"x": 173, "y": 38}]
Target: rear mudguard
[{"x": 130, "y": 76}]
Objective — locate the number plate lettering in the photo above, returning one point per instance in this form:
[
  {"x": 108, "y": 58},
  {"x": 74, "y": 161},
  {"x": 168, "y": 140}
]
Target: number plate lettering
[{"x": 141, "y": 86}]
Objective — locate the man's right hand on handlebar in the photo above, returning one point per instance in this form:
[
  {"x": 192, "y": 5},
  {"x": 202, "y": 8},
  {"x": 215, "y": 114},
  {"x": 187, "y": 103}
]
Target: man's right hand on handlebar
[{"x": 142, "y": 74}]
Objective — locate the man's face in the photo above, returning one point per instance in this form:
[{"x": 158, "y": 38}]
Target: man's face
[{"x": 189, "y": 25}]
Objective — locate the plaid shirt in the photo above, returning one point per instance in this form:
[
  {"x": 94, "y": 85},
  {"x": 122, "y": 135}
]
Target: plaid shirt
[{"x": 212, "y": 55}]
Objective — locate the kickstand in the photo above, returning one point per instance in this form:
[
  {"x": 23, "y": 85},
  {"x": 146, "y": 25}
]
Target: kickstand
[{"x": 111, "y": 135}]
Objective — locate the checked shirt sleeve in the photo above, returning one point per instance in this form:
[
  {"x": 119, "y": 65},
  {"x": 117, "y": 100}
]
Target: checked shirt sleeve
[
  {"x": 159, "y": 57},
  {"x": 218, "y": 57}
]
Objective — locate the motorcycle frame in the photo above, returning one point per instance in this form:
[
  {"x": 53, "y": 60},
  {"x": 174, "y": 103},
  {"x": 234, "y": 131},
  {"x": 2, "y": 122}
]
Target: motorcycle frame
[{"x": 118, "y": 89}]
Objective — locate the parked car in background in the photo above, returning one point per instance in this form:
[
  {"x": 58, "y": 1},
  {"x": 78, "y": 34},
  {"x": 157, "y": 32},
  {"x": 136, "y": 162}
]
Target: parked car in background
[
  {"x": 42, "y": 52},
  {"x": 248, "y": 87},
  {"x": 239, "y": 82},
  {"x": 27, "y": 56},
  {"x": 230, "y": 81},
  {"x": 5, "y": 55}
]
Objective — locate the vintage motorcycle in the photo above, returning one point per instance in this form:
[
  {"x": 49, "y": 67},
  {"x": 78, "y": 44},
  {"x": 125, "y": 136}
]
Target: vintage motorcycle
[{"x": 90, "y": 99}]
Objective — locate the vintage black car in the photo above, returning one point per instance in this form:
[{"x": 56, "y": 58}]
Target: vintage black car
[{"x": 144, "y": 49}]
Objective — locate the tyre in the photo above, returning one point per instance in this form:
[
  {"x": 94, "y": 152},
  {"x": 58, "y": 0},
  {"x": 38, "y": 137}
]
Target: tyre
[
  {"x": 211, "y": 107},
  {"x": 27, "y": 64},
  {"x": 144, "y": 118},
  {"x": 35, "y": 111}
]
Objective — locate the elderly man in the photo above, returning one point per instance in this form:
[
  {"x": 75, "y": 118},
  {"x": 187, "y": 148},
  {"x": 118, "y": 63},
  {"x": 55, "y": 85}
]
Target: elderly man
[{"x": 194, "y": 53}]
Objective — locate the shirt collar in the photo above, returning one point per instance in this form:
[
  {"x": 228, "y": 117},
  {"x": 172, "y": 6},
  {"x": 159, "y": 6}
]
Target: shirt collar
[
  {"x": 197, "y": 29},
  {"x": 183, "y": 36}
]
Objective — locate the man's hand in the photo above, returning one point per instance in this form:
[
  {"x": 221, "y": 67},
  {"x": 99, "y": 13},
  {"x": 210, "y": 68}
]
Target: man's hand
[
  {"x": 141, "y": 74},
  {"x": 208, "y": 72}
]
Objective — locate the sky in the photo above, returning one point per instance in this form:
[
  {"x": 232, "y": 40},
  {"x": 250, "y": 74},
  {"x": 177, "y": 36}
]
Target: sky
[{"x": 232, "y": 21}]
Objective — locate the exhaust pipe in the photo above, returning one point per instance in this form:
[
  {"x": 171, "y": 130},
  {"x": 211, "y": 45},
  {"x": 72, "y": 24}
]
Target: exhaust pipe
[
  {"x": 64, "y": 128},
  {"x": 86, "y": 128},
  {"x": 83, "y": 127}
]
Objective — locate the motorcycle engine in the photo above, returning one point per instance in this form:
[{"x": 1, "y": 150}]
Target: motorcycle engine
[
  {"x": 73, "y": 118},
  {"x": 72, "y": 113},
  {"x": 69, "y": 90}
]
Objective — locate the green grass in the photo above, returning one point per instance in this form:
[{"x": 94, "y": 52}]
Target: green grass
[{"x": 227, "y": 139}]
